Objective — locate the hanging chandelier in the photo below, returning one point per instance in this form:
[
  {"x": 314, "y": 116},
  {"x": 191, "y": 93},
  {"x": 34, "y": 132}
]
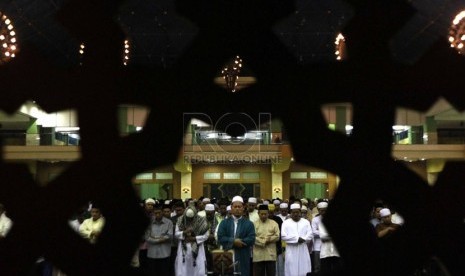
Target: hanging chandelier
[
  {"x": 457, "y": 33},
  {"x": 126, "y": 52},
  {"x": 340, "y": 47},
  {"x": 7, "y": 39},
  {"x": 231, "y": 73}
]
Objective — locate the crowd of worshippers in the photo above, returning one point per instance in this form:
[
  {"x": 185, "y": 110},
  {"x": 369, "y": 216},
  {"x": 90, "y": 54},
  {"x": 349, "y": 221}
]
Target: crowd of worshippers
[
  {"x": 245, "y": 236},
  {"x": 226, "y": 237}
]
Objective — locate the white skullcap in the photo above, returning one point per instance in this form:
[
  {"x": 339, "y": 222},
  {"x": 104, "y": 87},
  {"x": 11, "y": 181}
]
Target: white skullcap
[
  {"x": 276, "y": 202},
  {"x": 206, "y": 200},
  {"x": 252, "y": 200},
  {"x": 384, "y": 212},
  {"x": 304, "y": 201},
  {"x": 283, "y": 205},
  {"x": 322, "y": 205},
  {"x": 167, "y": 202},
  {"x": 266, "y": 202},
  {"x": 237, "y": 199},
  {"x": 150, "y": 201},
  {"x": 295, "y": 206},
  {"x": 228, "y": 208},
  {"x": 209, "y": 207},
  {"x": 304, "y": 208}
]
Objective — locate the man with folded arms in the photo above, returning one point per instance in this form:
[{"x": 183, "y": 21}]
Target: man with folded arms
[
  {"x": 296, "y": 232},
  {"x": 238, "y": 233},
  {"x": 264, "y": 250}
]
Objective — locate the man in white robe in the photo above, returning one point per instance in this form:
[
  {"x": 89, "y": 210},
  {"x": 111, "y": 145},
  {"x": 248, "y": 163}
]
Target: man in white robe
[
  {"x": 283, "y": 211},
  {"x": 252, "y": 209},
  {"x": 191, "y": 231},
  {"x": 5, "y": 223},
  {"x": 296, "y": 232},
  {"x": 92, "y": 227},
  {"x": 329, "y": 256},
  {"x": 316, "y": 221}
]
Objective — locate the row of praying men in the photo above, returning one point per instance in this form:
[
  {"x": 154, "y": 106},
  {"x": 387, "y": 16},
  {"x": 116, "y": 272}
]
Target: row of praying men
[{"x": 262, "y": 238}]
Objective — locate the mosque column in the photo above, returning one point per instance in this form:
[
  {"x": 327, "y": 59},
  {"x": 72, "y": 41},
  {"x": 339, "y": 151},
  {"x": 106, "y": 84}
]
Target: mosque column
[
  {"x": 416, "y": 135},
  {"x": 433, "y": 168},
  {"x": 430, "y": 129},
  {"x": 277, "y": 185},
  {"x": 185, "y": 169},
  {"x": 186, "y": 185},
  {"x": 341, "y": 119},
  {"x": 277, "y": 169}
]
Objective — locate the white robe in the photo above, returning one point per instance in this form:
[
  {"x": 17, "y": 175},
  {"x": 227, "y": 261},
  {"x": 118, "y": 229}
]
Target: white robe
[
  {"x": 5, "y": 224},
  {"x": 187, "y": 267},
  {"x": 89, "y": 225},
  {"x": 328, "y": 249},
  {"x": 316, "y": 221},
  {"x": 297, "y": 258}
]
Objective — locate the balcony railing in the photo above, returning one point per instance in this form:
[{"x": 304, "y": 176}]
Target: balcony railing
[{"x": 13, "y": 138}]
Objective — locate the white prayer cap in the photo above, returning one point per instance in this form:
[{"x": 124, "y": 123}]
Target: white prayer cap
[
  {"x": 276, "y": 202},
  {"x": 295, "y": 206},
  {"x": 167, "y": 202},
  {"x": 209, "y": 207},
  {"x": 237, "y": 199},
  {"x": 150, "y": 201},
  {"x": 322, "y": 205},
  {"x": 228, "y": 208},
  {"x": 266, "y": 202},
  {"x": 252, "y": 200},
  {"x": 283, "y": 205},
  {"x": 304, "y": 208},
  {"x": 304, "y": 201},
  {"x": 384, "y": 212},
  {"x": 206, "y": 200}
]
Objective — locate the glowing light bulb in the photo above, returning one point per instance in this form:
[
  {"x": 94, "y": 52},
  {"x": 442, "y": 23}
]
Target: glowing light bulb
[{"x": 8, "y": 41}]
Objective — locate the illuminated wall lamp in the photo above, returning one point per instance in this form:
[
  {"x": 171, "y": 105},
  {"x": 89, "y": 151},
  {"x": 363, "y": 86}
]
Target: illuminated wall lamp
[
  {"x": 186, "y": 190},
  {"x": 277, "y": 190}
]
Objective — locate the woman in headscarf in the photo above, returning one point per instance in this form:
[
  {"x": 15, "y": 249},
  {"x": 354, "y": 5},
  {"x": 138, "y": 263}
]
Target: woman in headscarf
[{"x": 191, "y": 231}]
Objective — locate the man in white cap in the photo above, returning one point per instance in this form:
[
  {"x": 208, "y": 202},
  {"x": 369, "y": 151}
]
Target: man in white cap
[
  {"x": 266, "y": 235},
  {"x": 283, "y": 211},
  {"x": 149, "y": 204},
  {"x": 92, "y": 227},
  {"x": 304, "y": 202},
  {"x": 296, "y": 232},
  {"x": 330, "y": 261},
  {"x": 238, "y": 233},
  {"x": 201, "y": 206},
  {"x": 385, "y": 228},
  {"x": 276, "y": 203},
  {"x": 191, "y": 231},
  {"x": 304, "y": 212},
  {"x": 252, "y": 209},
  {"x": 316, "y": 222}
]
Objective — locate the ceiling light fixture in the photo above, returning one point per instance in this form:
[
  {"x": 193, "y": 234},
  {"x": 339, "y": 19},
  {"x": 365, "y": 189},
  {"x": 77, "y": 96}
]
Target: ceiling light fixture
[
  {"x": 126, "y": 52},
  {"x": 340, "y": 47},
  {"x": 457, "y": 33},
  {"x": 231, "y": 73},
  {"x": 9, "y": 48}
]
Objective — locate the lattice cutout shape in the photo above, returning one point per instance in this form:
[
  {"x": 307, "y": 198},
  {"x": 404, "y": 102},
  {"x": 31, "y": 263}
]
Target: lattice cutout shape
[{"x": 372, "y": 83}]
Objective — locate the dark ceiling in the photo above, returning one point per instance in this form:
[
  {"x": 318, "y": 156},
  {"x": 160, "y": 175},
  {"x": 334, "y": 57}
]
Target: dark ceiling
[{"x": 158, "y": 35}]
